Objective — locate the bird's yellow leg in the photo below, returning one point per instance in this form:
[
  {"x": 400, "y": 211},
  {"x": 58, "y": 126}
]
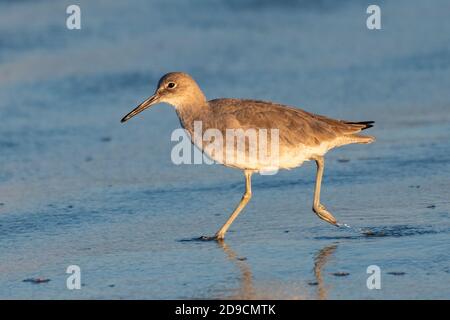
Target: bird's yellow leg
[
  {"x": 318, "y": 208},
  {"x": 220, "y": 235}
]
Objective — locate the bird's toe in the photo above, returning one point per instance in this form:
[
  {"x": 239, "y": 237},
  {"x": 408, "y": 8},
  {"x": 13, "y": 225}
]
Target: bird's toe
[{"x": 323, "y": 214}]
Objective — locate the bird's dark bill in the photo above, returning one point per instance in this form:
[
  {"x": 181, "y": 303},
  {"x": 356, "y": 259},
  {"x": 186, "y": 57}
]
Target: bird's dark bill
[{"x": 144, "y": 105}]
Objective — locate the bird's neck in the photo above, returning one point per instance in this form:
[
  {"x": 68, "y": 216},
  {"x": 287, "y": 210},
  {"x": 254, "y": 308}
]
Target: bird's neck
[{"x": 190, "y": 113}]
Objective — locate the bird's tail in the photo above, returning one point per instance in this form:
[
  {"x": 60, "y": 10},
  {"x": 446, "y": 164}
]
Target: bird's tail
[
  {"x": 363, "y": 139},
  {"x": 361, "y": 125}
]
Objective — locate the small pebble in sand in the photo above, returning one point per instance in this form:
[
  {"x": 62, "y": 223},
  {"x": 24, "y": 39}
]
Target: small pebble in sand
[
  {"x": 397, "y": 273},
  {"x": 37, "y": 280},
  {"x": 340, "y": 274}
]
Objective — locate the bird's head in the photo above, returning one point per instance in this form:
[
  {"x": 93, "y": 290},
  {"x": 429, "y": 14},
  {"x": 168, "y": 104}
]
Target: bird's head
[{"x": 177, "y": 89}]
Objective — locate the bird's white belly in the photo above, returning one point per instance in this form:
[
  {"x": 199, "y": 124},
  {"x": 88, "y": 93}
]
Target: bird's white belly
[
  {"x": 287, "y": 158},
  {"x": 294, "y": 157}
]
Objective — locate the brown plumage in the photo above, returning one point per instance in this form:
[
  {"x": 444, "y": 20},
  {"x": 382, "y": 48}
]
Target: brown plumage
[
  {"x": 302, "y": 135},
  {"x": 296, "y": 126}
]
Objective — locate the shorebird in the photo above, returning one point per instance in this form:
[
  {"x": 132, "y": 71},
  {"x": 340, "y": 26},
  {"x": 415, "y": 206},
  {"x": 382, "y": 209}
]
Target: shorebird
[{"x": 302, "y": 136}]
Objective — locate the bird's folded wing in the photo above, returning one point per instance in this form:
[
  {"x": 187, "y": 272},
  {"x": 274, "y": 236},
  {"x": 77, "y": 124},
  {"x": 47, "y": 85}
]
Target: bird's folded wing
[{"x": 295, "y": 125}]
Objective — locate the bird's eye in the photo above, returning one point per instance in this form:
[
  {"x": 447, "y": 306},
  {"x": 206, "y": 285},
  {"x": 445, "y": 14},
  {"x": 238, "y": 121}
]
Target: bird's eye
[{"x": 171, "y": 85}]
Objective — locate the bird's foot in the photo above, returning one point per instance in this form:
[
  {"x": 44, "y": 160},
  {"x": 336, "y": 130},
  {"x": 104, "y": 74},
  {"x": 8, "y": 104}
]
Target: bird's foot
[
  {"x": 211, "y": 238},
  {"x": 323, "y": 214},
  {"x": 206, "y": 238}
]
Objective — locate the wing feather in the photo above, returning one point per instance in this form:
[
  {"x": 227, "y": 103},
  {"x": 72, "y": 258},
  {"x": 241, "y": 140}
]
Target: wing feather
[{"x": 295, "y": 125}]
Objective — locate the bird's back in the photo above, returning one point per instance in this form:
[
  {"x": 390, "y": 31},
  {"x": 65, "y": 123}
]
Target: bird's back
[{"x": 295, "y": 126}]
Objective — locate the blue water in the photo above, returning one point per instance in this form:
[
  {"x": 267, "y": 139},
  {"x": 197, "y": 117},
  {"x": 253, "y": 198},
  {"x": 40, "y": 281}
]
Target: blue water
[{"x": 77, "y": 187}]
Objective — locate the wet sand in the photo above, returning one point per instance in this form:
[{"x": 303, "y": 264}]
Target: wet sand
[{"x": 77, "y": 187}]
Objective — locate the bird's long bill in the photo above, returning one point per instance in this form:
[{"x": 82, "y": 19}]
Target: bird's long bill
[{"x": 144, "y": 105}]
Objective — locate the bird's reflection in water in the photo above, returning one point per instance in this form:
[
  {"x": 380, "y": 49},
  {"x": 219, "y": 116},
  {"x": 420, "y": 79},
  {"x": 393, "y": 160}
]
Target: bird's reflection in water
[
  {"x": 320, "y": 260},
  {"x": 248, "y": 291}
]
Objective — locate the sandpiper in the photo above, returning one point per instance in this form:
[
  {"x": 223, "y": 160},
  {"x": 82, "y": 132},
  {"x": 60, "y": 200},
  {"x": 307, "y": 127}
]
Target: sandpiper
[{"x": 303, "y": 136}]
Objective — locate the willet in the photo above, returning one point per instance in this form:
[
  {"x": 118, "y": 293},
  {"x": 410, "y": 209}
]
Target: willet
[{"x": 303, "y": 136}]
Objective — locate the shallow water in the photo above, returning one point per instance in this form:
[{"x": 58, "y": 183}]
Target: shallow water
[{"x": 77, "y": 187}]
